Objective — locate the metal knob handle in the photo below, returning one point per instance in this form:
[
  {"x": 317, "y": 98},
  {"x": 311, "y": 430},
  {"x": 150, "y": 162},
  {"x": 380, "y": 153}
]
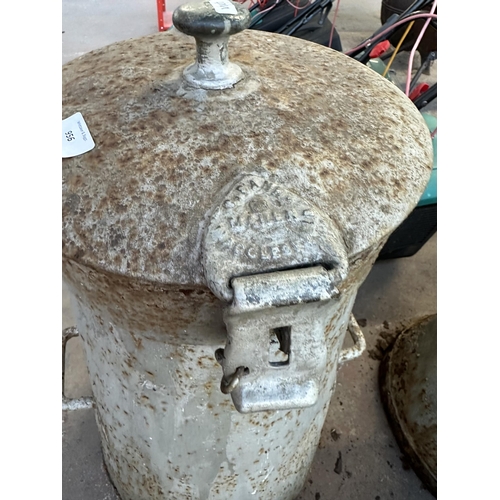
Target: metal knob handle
[{"x": 211, "y": 22}]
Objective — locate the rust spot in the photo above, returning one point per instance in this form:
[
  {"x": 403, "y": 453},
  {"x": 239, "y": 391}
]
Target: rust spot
[
  {"x": 153, "y": 139},
  {"x": 137, "y": 341}
]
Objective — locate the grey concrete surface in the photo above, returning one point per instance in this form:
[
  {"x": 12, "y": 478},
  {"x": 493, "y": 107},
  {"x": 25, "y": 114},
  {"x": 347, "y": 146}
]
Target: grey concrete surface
[{"x": 358, "y": 457}]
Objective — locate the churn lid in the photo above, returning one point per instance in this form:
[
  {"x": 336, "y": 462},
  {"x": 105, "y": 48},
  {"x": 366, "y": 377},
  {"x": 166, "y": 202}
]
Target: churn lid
[{"x": 273, "y": 157}]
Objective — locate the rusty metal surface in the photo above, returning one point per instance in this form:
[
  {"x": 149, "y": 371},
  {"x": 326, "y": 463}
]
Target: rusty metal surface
[
  {"x": 408, "y": 384},
  {"x": 304, "y": 117},
  {"x": 355, "y": 425},
  {"x": 139, "y": 212},
  {"x": 166, "y": 429}
]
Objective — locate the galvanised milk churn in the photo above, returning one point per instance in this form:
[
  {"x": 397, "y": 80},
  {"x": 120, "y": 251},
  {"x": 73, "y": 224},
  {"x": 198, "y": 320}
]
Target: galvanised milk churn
[{"x": 214, "y": 240}]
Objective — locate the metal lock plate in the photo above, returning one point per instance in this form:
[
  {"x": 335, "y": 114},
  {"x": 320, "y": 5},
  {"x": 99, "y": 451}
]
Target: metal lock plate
[
  {"x": 278, "y": 261},
  {"x": 275, "y": 329}
]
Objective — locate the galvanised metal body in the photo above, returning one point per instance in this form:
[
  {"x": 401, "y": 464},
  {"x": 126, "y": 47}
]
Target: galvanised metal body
[{"x": 221, "y": 228}]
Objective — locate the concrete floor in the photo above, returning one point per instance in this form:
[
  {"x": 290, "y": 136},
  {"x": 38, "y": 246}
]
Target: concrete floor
[{"x": 358, "y": 457}]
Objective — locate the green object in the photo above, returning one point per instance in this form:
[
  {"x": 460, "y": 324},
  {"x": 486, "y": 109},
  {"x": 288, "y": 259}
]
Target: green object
[
  {"x": 377, "y": 65},
  {"x": 430, "y": 194}
]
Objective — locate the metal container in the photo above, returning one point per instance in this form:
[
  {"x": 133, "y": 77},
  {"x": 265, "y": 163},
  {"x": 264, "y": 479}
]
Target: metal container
[
  {"x": 408, "y": 386},
  {"x": 214, "y": 241}
]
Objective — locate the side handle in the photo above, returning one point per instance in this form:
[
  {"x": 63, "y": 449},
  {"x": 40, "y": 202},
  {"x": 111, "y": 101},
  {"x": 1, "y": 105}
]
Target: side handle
[{"x": 359, "y": 342}]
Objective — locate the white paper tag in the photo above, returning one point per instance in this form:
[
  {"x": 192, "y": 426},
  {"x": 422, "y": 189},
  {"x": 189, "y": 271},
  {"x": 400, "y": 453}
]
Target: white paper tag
[
  {"x": 223, "y": 6},
  {"x": 76, "y": 138}
]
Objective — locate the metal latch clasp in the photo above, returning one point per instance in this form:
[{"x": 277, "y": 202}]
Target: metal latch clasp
[
  {"x": 259, "y": 248},
  {"x": 275, "y": 353}
]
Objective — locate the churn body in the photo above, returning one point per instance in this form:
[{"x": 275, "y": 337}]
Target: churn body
[{"x": 239, "y": 220}]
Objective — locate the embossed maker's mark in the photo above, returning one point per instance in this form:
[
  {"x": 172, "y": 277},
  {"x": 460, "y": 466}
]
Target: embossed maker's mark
[
  {"x": 269, "y": 218},
  {"x": 256, "y": 204},
  {"x": 264, "y": 252},
  {"x": 259, "y": 226}
]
